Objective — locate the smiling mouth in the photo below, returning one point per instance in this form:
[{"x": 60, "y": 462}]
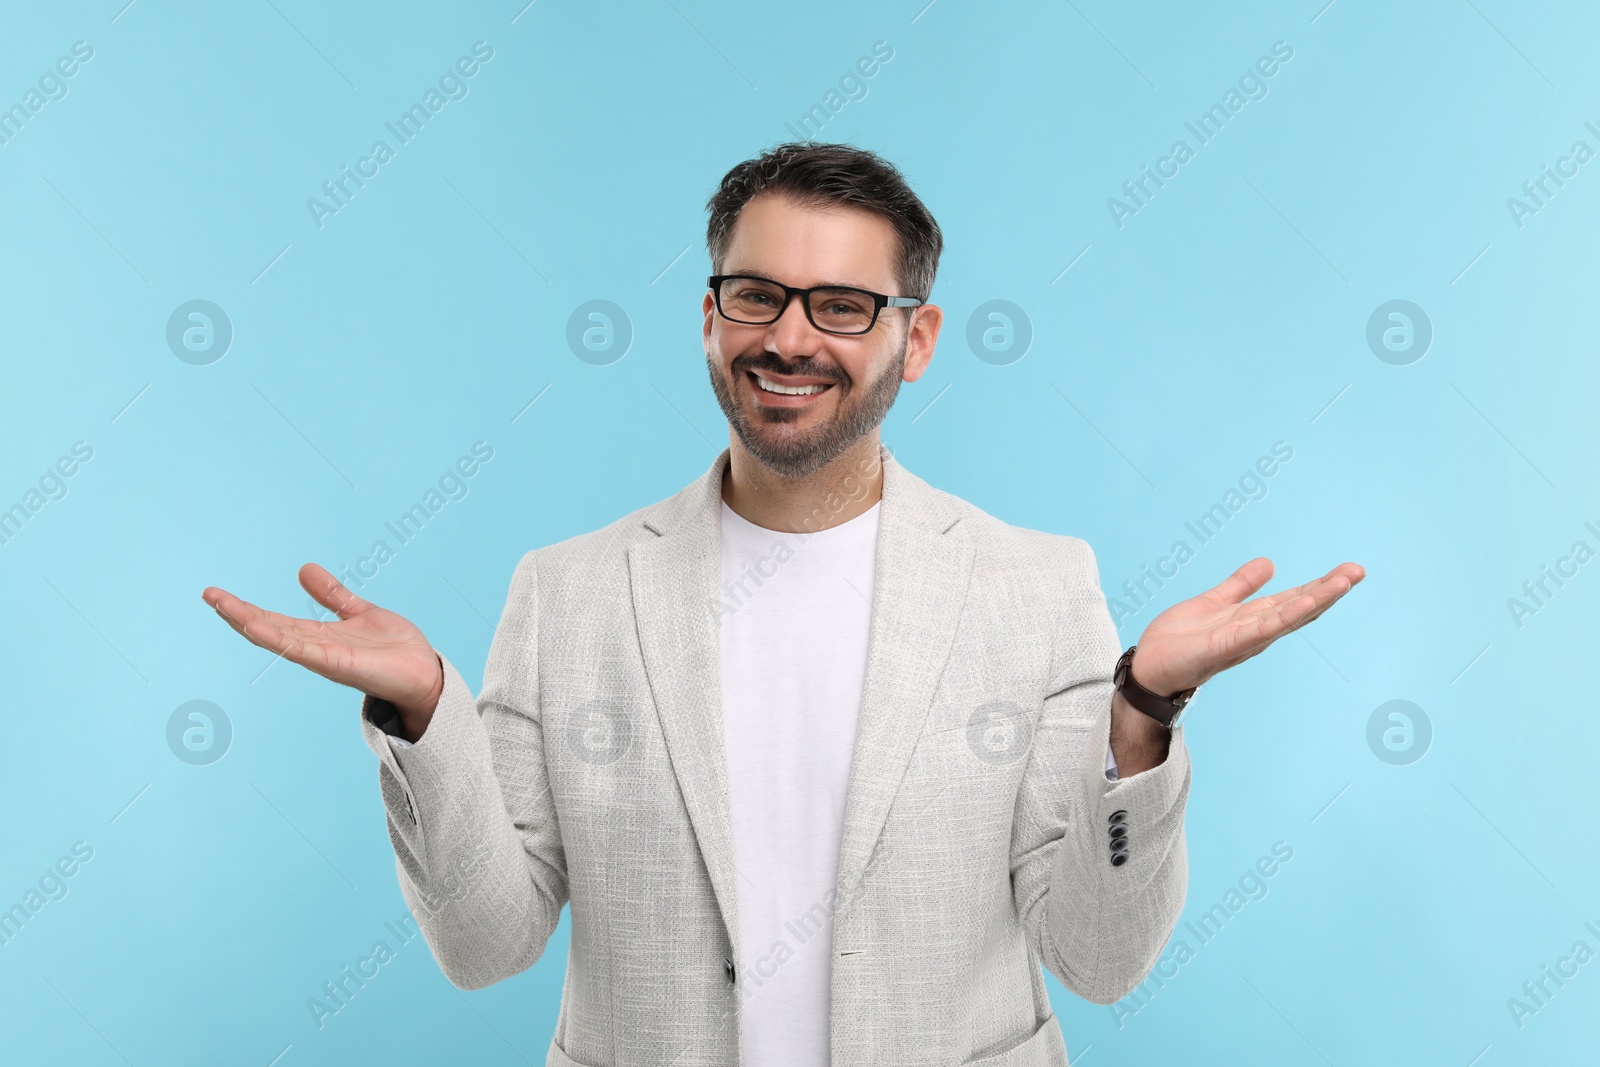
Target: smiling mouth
[{"x": 785, "y": 394}]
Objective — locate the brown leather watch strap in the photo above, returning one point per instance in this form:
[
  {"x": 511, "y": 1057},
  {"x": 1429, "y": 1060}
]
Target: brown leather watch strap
[{"x": 1165, "y": 710}]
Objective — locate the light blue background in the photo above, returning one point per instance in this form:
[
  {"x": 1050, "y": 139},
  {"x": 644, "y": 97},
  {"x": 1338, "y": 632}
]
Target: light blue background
[{"x": 1228, "y": 314}]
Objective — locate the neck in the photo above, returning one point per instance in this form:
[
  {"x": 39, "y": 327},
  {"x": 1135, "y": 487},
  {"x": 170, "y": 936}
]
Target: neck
[{"x": 846, "y": 488}]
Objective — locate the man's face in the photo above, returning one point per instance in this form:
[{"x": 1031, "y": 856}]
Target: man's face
[{"x": 853, "y": 380}]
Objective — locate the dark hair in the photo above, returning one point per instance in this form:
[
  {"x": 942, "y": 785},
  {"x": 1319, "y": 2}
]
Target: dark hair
[{"x": 819, "y": 174}]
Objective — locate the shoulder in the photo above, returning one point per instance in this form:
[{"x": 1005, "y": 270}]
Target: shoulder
[
  {"x": 586, "y": 560},
  {"x": 1035, "y": 580},
  {"x": 1055, "y": 558},
  {"x": 587, "y": 556}
]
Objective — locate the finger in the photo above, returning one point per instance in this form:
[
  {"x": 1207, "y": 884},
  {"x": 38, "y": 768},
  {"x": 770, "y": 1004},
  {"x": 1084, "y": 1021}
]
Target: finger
[
  {"x": 1325, "y": 591},
  {"x": 1350, "y": 573},
  {"x": 232, "y": 610},
  {"x": 1243, "y": 582},
  {"x": 1279, "y": 599},
  {"x": 211, "y": 594},
  {"x": 255, "y": 622},
  {"x": 1269, "y": 618},
  {"x": 261, "y": 633},
  {"x": 293, "y": 639},
  {"x": 330, "y": 592},
  {"x": 238, "y": 627},
  {"x": 1322, "y": 606}
]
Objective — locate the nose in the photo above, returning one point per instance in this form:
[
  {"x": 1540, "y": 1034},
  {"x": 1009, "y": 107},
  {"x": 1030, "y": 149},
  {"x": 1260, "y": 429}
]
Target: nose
[{"x": 792, "y": 333}]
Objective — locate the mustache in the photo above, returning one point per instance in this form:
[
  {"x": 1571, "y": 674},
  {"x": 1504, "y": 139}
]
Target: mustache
[{"x": 770, "y": 361}]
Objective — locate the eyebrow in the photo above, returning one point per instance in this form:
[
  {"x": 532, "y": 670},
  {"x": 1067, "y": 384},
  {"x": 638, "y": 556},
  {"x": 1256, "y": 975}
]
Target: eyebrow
[{"x": 770, "y": 278}]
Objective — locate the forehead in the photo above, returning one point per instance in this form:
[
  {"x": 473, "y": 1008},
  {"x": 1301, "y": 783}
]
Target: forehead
[{"x": 809, "y": 244}]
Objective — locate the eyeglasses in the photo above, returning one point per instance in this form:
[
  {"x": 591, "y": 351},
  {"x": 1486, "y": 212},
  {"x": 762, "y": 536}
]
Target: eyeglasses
[{"x": 840, "y": 309}]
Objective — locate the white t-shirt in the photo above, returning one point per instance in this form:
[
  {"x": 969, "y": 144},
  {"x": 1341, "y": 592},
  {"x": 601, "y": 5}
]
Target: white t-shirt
[{"x": 796, "y": 614}]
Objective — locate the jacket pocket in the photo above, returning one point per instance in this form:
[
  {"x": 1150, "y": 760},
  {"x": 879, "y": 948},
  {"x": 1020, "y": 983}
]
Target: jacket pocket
[
  {"x": 557, "y": 1058},
  {"x": 1045, "y": 1047}
]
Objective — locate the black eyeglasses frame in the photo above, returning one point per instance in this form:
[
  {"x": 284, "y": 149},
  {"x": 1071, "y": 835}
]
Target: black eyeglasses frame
[{"x": 879, "y": 301}]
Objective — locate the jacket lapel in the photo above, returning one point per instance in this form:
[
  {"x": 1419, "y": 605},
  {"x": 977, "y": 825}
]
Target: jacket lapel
[
  {"x": 675, "y": 578},
  {"x": 923, "y": 569},
  {"x": 922, "y": 574}
]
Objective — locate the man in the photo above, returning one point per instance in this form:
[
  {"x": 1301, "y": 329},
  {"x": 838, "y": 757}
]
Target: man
[{"x": 827, "y": 762}]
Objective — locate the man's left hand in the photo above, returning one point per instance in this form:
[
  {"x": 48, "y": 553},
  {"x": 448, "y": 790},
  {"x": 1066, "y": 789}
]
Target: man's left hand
[
  {"x": 1201, "y": 637},
  {"x": 1191, "y": 642}
]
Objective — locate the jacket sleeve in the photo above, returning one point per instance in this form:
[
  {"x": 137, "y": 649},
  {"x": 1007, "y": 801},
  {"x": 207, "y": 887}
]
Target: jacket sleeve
[
  {"x": 1097, "y": 925},
  {"x": 471, "y": 817}
]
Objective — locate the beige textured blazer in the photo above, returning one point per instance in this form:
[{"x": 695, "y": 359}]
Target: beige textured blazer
[{"x": 981, "y": 840}]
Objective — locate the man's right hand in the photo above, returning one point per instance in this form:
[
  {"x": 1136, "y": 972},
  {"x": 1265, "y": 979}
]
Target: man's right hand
[{"x": 368, "y": 649}]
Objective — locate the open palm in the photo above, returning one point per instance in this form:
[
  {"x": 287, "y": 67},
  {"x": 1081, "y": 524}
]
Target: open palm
[
  {"x": 369, "y": 648},
  {"x": 1194, "y": 640}
]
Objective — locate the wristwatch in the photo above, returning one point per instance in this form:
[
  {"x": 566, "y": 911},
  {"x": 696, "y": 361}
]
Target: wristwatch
[{"x": 1165, "y": 710}]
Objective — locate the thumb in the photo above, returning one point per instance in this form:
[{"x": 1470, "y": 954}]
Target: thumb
[{"x": 330, "y": 592}]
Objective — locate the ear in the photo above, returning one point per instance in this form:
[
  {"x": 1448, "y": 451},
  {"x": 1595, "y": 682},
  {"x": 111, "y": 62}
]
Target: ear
[
  {"x": 708, "y": 307},
  {"x": 923, "y": 335}
]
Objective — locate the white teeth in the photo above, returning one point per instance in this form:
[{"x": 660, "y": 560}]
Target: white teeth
[{"x": 788, "y": 390}]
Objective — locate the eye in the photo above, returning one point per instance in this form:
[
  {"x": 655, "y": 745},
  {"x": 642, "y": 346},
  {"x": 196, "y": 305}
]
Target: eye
[{"x": 753, "y": 293}]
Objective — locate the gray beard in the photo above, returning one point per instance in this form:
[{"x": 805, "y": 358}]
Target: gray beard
[{"x": 797, "y": 457}]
